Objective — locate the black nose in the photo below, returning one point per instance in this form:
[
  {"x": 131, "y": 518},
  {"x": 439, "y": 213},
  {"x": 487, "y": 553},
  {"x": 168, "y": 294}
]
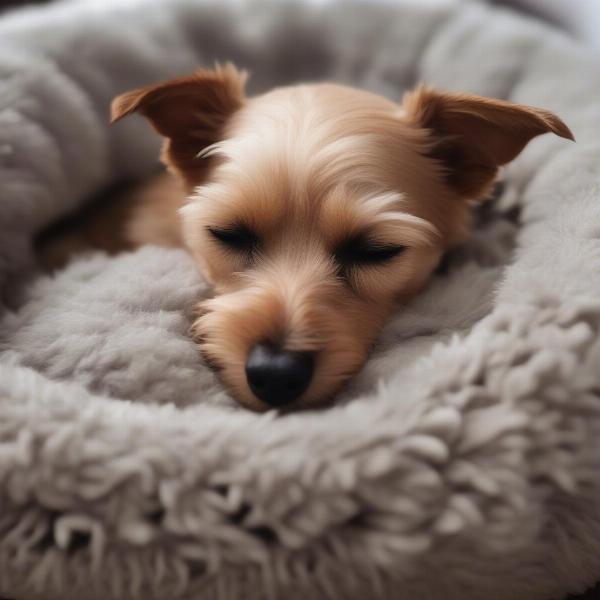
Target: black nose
[{"x": 277, "y": 376}]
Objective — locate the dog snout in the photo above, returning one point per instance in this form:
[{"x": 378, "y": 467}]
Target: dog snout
[{"x": 277, "y": 376}]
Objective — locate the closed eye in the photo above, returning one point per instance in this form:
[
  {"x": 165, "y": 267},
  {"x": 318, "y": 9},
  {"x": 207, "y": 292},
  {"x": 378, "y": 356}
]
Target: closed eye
[
  {"x": 238, "y": 237},
  {"x": 362, "y": 251}
]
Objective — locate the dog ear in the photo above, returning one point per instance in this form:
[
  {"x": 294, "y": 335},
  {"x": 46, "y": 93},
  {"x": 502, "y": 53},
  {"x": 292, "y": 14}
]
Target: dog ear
[
  {"x": 190, "y": 112},
  {"x": 473, "y": 136}
]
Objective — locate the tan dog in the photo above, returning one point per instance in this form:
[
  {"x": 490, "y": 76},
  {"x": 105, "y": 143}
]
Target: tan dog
[{"x": 314, "y": 211}]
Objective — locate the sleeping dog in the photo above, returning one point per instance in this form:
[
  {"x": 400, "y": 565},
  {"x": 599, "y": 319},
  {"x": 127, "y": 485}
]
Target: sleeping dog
[{"x": 313, "y": 210}]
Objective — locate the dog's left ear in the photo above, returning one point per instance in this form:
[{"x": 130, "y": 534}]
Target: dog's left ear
[
  {"x": 190, "y": 112},
  {"x": 473, "y": 136}
]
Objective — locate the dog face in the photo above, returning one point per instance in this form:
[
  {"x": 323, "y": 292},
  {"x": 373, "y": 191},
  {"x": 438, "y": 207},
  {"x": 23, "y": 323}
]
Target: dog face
[{"x": 314, "y": 210}]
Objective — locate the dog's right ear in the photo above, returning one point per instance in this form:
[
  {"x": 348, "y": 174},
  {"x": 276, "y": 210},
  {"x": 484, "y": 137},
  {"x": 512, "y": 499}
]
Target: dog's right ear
[
  {"x": 190, "y": 112},
  {"x": 473, "y": 136}
]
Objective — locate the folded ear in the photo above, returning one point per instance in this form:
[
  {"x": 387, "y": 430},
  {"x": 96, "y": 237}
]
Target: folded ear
[
  {"x": 191, "y": 112},
  {"x": 472, "y": 136}
]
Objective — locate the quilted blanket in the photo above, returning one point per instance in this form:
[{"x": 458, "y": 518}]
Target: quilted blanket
[{"x": 463, "y": 462}]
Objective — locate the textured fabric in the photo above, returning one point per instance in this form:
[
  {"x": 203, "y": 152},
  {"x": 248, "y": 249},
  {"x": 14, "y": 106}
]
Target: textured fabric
[
  {"x": 583, "y": 23},
  {"x": 462, "y": 462}
]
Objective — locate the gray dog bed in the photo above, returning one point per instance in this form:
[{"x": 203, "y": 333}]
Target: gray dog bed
[{"x": 464, "y": 460}]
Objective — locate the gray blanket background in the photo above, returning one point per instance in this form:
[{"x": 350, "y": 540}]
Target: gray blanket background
[{"x": 462, "y": 462}]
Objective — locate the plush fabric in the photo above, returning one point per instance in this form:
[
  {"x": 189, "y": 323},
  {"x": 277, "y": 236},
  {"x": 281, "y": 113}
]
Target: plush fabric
[
  {"x": 583, "y": 23},
  {"x": 462, "y": 462}
]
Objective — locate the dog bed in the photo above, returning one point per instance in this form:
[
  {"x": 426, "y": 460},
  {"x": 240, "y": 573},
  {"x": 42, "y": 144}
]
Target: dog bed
[{"x": 462, "y": 462}]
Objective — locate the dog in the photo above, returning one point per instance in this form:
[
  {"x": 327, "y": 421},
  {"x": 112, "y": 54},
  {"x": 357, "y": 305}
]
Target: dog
[{"x": 314, "y": 211}]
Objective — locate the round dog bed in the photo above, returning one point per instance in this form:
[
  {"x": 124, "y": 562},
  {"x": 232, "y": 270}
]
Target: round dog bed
[{"x": 462, "y": 462}]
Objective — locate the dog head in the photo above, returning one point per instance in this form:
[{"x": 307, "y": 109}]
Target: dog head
[{"x": 315, "y": 209}]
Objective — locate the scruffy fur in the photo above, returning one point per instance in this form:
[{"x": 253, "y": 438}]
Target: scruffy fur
[{"x": 307, "y": 169}]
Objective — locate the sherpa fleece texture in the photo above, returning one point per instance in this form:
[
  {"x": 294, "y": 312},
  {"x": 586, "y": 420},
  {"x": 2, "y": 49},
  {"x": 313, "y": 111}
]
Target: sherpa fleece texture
[{"x": 464, "y": 460}]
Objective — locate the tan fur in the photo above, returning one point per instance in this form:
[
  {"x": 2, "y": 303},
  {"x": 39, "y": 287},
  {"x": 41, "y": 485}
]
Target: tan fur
[
  {"x": 305, "y": 168},
  {"x": 118, "y": 222},
  {"x": 477, "y": 135}
]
